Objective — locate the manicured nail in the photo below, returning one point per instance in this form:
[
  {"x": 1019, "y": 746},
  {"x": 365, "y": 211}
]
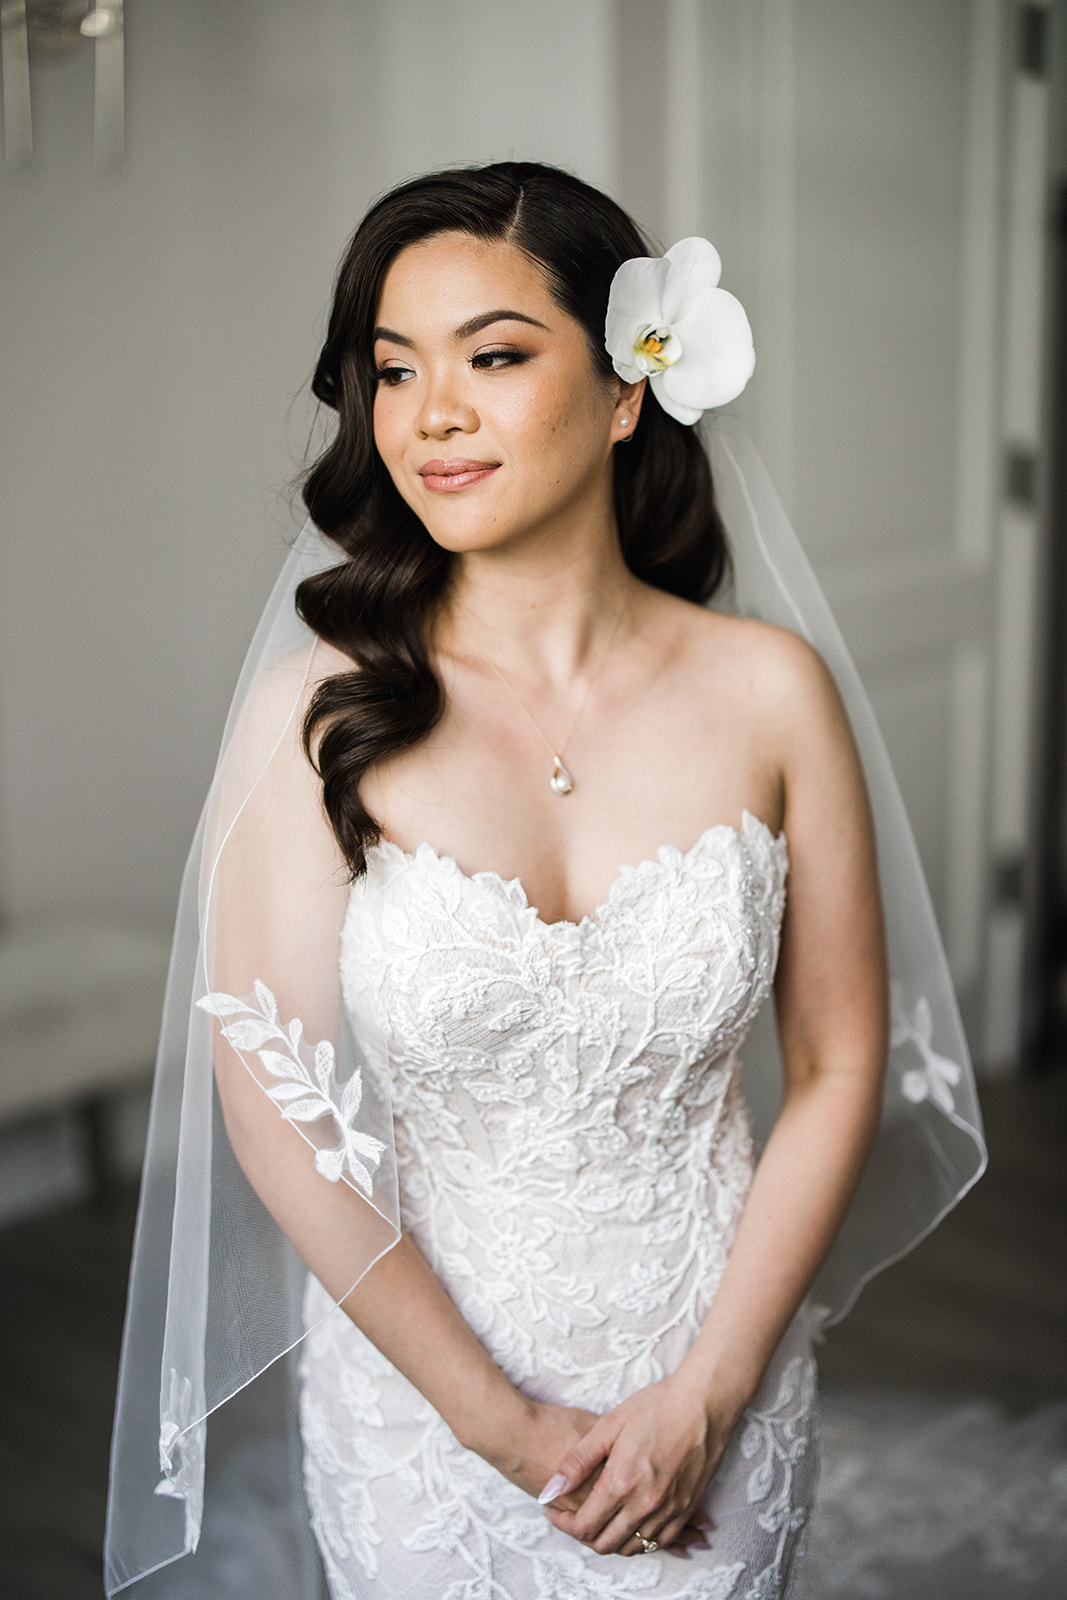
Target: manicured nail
[{"x": 552, "y": 1489}]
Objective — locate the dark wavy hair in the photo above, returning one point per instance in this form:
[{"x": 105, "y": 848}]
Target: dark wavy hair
[{"x": 376, "y": 607}]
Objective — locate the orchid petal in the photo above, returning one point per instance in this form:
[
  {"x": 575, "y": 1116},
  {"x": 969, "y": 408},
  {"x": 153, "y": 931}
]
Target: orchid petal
[
  {"x": 717, "y": 339},
  {"x": 673, "y": 408},
  {"x": 633, "y": 303},
  {"x": 675, "y": 304},
  {"x": 694, "y": 265}
]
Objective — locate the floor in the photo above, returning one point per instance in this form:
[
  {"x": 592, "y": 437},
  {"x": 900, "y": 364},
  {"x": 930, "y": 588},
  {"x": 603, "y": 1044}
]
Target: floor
[
  {"x": 64, "y": 1285},
  {"x": 979, "y": 1309}
]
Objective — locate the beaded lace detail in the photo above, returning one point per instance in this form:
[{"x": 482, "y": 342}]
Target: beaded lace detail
[{"x": 573, "y": 1153}]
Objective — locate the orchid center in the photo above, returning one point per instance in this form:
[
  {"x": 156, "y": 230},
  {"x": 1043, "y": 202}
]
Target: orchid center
[{"x": 656, "y": 349}]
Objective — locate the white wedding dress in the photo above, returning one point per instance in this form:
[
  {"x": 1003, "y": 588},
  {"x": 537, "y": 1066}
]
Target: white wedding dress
[{"x": 574, "y": 1153}]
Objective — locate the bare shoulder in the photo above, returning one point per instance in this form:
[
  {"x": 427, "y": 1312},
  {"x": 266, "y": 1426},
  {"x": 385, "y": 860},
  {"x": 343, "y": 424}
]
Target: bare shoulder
[
  {"x": 328, "y": 661},
  {"x": 777, "y": 675},
  {"x": 787, "y": 676},
  {"x": 273, "y": 713},
  {"x": 296, "y": 676}
]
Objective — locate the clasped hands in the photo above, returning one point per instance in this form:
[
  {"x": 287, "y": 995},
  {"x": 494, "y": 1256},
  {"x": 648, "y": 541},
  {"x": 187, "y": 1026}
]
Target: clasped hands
[{"x": 645, "y": 1465}]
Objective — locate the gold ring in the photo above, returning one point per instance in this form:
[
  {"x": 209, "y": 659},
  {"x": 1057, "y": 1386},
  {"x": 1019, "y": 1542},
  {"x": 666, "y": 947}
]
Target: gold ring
[{"x": 647, "y": 1545}]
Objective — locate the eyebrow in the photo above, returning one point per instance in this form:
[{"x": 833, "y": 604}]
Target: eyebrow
[{"x": 466, "y": 330}]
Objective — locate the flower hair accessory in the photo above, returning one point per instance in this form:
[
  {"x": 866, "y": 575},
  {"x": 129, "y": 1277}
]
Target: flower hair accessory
[{"x": 668, "y": 321}]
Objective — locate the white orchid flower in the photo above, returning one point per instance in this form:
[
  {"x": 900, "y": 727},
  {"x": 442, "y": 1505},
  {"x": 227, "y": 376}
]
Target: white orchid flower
[{"x": 668, "y": 321}]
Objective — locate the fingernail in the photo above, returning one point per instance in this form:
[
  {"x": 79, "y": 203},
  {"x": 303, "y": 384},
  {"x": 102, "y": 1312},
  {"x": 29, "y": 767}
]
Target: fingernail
[{"x": 553, "y": 1489}]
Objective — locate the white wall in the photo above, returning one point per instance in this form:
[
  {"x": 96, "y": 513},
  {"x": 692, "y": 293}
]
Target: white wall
[{"x": 155, "y": 327}]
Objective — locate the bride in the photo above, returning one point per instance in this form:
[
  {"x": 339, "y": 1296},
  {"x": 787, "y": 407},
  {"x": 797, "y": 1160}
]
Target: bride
[{"x": 555, "y": 1336}]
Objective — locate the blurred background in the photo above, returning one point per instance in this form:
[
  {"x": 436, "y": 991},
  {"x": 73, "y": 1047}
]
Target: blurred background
[{"x": 886, "y": 184}]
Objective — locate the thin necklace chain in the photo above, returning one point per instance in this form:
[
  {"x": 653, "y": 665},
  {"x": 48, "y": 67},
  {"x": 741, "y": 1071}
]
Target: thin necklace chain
[{"x": 562, "y": 780}]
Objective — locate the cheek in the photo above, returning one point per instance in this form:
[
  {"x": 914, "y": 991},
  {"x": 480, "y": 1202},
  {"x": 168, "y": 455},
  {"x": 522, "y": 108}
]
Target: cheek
[
  {"x": 556, "y": 418},
  {"x": 383, "y": 418},
  {"x": 390, "y": 437}
]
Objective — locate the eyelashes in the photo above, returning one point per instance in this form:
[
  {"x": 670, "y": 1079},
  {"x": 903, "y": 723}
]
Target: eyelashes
[
  {"x": 484, "y": 361},
  {"x": 499, "y": 358}
]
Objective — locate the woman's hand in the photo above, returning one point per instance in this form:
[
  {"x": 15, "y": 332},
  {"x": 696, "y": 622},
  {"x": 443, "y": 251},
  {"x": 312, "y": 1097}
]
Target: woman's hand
[
  {"x": 645, "y": 1465},
  {"x": 534, "y": 1447}
]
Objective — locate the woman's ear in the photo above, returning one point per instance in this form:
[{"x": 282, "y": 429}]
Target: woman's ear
[{"x": 628, "y": 401}]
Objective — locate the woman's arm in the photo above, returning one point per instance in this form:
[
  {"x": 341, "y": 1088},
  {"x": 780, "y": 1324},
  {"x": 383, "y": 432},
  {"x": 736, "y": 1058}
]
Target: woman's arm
[
  {"x": 660, "y": 1448},
  {"x": 403, "y": 1309},
  {"x": 279, "y": 903},
  {"x": 399, "y": 1303}
]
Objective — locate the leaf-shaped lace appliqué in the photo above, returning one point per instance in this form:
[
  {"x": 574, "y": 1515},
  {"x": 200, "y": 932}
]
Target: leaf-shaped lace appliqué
[
  {"x": 937, "y": 1075},
  {"x": 305, "y": 1091},
  {"x": 182, "y": 1443}
]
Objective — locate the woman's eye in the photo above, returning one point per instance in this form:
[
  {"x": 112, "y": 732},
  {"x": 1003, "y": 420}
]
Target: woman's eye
[
  {"x": 391, "y": 376},
  {"x": 494, "y": 360}
]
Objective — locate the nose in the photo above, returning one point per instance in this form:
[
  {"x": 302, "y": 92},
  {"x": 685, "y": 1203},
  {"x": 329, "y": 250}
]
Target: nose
[{"x": 445, "y": 408}]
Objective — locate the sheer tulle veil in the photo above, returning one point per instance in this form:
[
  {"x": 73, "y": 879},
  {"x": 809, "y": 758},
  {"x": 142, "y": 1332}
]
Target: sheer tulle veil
[
  {"x": 930, "y": 1148},
  {"x": 216, "y": 1286}
]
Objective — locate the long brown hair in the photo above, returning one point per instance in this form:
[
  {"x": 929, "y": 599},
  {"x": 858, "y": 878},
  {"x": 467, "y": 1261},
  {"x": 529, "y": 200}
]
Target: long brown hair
[{"x": 375, "y": 607}]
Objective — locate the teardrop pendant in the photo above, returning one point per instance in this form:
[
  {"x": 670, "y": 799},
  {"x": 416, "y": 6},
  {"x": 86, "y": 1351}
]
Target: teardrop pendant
[{"x": 561, "y": 780}]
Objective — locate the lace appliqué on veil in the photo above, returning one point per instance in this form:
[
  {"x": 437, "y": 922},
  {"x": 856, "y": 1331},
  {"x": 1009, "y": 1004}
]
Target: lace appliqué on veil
[
  {"x": 302, "y": 1082},
  {"x": 936, "y": 1076},
  {"x": 182, "y": 1446}
]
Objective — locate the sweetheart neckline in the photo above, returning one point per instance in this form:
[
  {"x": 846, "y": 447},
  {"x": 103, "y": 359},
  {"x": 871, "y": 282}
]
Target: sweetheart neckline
[{"x": 515, "y": 889}]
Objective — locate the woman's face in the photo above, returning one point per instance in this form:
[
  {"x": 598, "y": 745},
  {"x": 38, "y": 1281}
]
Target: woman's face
[{"x": 489, "y": 415}]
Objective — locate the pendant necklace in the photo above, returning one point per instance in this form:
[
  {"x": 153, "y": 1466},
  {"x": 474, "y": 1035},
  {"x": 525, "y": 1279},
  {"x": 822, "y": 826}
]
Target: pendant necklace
[{"x": 562, "y": 780}]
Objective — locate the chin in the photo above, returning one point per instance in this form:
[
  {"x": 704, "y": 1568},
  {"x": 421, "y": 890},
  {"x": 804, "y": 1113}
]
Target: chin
[
  {"x": 469, "y": 541},
  {"x": 476, "y": 528}
]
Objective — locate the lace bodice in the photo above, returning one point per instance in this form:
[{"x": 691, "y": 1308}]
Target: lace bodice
[
  {"x": 556, "y": 1082},
  {"x": 573, "y": 1154}
]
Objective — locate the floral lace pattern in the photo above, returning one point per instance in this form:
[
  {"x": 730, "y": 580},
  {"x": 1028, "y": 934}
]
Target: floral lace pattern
[
  {"x": 182, "y": 1447},
  {"x": 304, "y": 1092},
  {"x": 573, "y": 1153},
  {"x": 936, "y": 1076}
]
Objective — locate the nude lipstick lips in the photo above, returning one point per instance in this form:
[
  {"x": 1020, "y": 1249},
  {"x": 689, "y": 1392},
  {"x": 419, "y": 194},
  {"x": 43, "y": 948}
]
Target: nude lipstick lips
[{"x": 446, "y": 477}]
